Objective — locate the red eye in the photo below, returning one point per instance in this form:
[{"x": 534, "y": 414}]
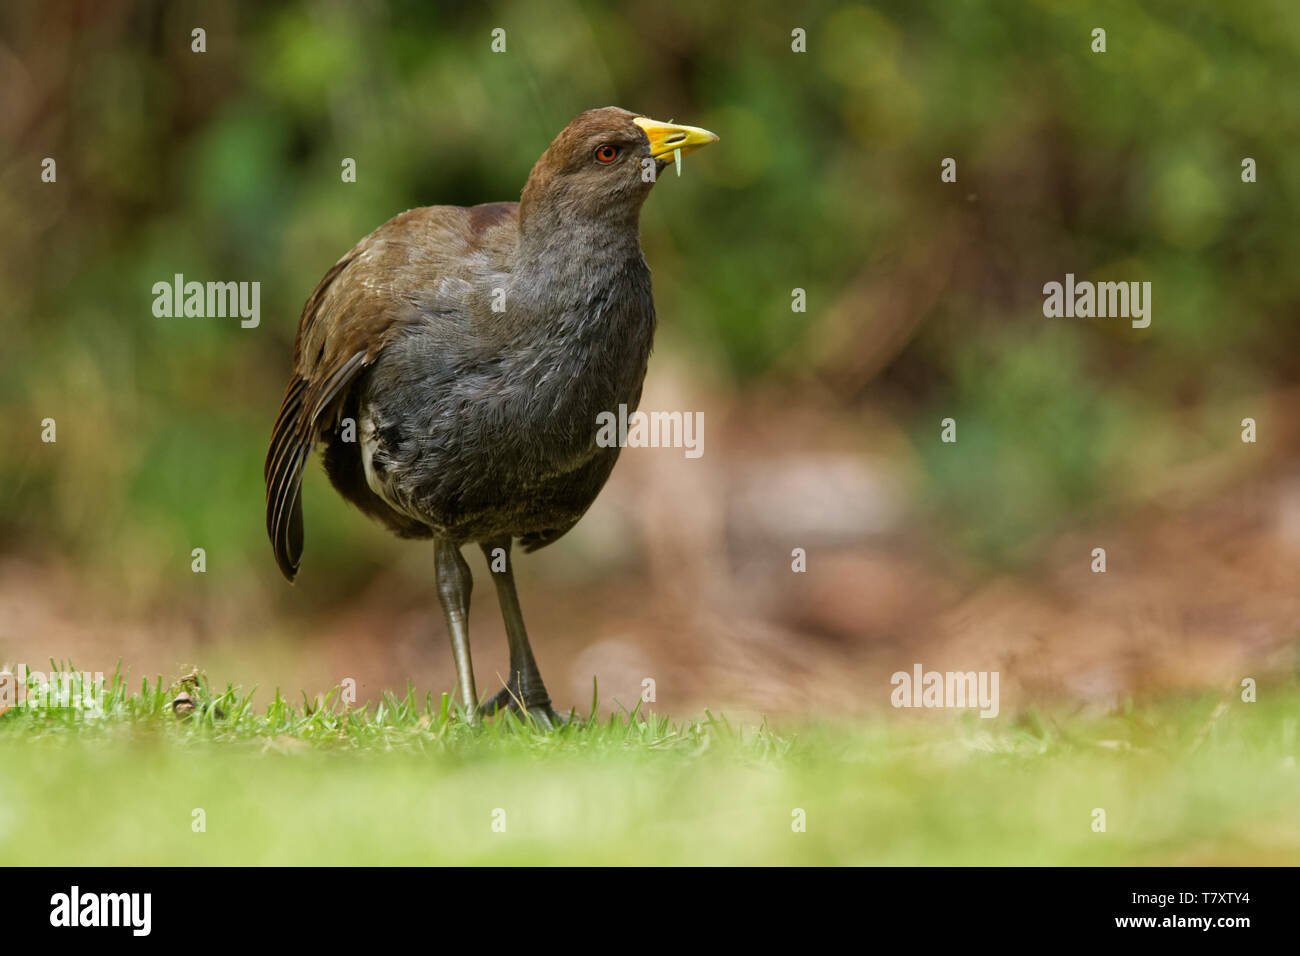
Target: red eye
[{"x": 606, "y": 153}]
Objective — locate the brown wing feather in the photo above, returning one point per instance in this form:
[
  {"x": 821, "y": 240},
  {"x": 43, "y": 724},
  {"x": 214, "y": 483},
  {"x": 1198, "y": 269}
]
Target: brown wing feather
[
  {"x": 347, "y": 320},
  {"x": 325, "y": 365}
]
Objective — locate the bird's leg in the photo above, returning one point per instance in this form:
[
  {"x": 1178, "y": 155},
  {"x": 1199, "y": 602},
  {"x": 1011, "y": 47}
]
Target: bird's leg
[
  {"x": 454, "y": 586},
  {"x": 524, "y": 690}
]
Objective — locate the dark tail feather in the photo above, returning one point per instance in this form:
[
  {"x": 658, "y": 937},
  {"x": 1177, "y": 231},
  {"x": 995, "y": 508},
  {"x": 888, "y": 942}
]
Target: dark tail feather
[
  {"x": 291, "y": 442},
  {"x": 284, "y": 516},
  {"x": 290, "y": 445}
]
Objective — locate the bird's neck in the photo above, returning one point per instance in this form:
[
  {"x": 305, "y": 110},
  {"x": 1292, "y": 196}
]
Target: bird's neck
[
  {"x": 565, "y": 266},
  {"x": 588, "y": 321}
]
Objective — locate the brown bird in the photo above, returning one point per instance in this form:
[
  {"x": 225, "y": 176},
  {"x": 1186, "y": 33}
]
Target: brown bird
[{"x": 453, "y": 364}]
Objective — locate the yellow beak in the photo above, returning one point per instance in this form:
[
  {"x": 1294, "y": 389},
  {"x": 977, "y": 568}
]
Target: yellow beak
[{"x": 666, "y": 138}]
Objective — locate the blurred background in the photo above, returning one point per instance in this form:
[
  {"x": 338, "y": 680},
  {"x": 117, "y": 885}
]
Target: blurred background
[{"x": 822, "y": 428}]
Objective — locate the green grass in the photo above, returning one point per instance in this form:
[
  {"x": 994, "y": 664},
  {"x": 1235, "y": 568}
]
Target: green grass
[{"x": 1200, "y": 780}]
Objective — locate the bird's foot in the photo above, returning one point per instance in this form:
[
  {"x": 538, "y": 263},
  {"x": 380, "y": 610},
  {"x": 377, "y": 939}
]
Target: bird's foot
[{"x": 538, "y": 709}]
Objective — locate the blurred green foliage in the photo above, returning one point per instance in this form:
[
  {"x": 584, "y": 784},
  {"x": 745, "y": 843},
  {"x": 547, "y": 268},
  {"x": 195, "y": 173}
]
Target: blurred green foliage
[{"x": 225, "y": 165}]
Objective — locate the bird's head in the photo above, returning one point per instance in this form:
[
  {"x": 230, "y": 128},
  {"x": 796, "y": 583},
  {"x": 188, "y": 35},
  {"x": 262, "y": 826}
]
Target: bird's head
[{"x": 603, "y": 164}]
